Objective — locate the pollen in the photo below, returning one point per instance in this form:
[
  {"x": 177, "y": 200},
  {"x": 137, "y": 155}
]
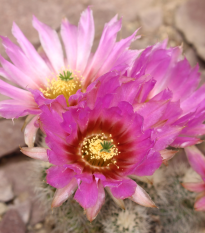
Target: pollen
[
  {"x": 65, "y": 83},
  {"x": 99, "y": 150}
]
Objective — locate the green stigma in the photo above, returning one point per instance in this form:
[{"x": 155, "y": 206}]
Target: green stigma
[
  {"x": 66, "y": 76},
  {"x": 106, "y": 146}
]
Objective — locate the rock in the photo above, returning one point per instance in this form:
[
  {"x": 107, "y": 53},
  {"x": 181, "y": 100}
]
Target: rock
[
  {"x": 190, "y": 19},
  {"x": 12, "y": 223},
  {"x": 3, "y": 208},
  {"x": 125, "y": 9},
  {"x": 24, "y": 209},
  {"x": 38, "y": 226},
  {"x": 23, "y": 205},
  {"x": 6, "y": 192},
  {"x": 151, "y": 18},
  {"x": 43, "y": 231},
  {"x": 37, "y": 214},
  {"x": 17, "y": 171},
  {"x": 3, "y": 97},
  {"x": 101, "y": 16},
  {"x": 22, "y": 197},
  {"x": 168, "y": 9},
  {"x": 199, "y": 230},
  {"x": 20, "y": 172},
  {"x": 202, "y": 77},
  {"x": 191, "y": 176},
  {"x": 11, "y": 136},
  {"x": 190, "y": 54},
  {"x": 172, "y": 35},
  {"x": 21, "y": 12}
]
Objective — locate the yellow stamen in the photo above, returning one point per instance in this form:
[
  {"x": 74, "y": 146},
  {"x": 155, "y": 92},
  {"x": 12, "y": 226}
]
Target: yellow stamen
[
  {"x": 59, "y": 86},
  {"x": 92, "y": 150}
]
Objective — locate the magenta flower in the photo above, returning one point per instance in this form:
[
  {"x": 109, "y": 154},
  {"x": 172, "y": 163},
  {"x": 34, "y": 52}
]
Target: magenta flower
[
  {"x": 49, "y": 75},
  {"x": 170, "y": 88},
  {"x": 197, "y": 162},
  {"x": 101, "y": 143}
]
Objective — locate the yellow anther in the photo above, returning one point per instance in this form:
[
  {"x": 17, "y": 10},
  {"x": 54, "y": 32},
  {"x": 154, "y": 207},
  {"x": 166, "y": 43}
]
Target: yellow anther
[
  {"x": 94, "y": 148},
  {"x": 57, "y": 86}
]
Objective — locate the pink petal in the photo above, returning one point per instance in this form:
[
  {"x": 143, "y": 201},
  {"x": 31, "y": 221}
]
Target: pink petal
[
  {"x": 85, "y": 176},
  {"x": 15, "y": 93},
  {"x": 154, "y": 109},
  {"x": 167, "y": 154},
  {"x": 145, "y": 89},
  {"x": 180, "y": 78},
  {"x": 194, "y": 187},
  {"x": 14, "y": 108},
  {"x": 92, "y": 212},
  {"x": 51, "y": 44},
  {"x": 22, "y": 62},
  {"x": 118, "y": 49},
  {"x": 165, "y": 135},
  {"x": 200, "y": 204},
  {"x": 36, "y": 153},
  {"x": 194, "y": 130},
  {"x": 58, "y": 157},
  {"x": 172, "y": 113},
  {"x": 191, "y": 103},
  {"x": 31, "y": 52},
  {"x": 196, "y": 160},
  {"x": 69, "y": 35},
  {"x": 17, "y": 76},
  {"x": 87, "y": 194},
  {"x": 124, "y": 190},
  {"x": 181, "y": 142},
  {"x": 30, "y": 132},
  {"x": 61, "y": 195},
  {"x": 142, "y": 198},
  {"x": 59, "y": 176},
  {"x": 106, "y": 45},
  {"x": 3, "y": 73},
  {"x": 52, "y": 120},
  {"x": 127, "y": 57},
  {"x": 86, "y": 33},
  {"x": 150, "y": 164},
  {"x": 27, "y": 120}
]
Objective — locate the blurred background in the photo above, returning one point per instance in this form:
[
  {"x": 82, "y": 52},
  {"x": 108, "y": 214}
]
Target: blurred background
[{"x": 182, "y": 21}]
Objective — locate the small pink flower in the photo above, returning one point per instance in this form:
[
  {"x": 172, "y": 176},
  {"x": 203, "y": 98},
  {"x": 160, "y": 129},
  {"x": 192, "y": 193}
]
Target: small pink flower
[
  {"x": 197, "y": 162},
  {"x": 52, "y": 75}
]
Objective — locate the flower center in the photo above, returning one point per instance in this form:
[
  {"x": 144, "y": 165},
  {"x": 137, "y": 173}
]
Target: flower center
[
  {"x": 99, "y": 150},
  {"x": 66, "y": 83}
]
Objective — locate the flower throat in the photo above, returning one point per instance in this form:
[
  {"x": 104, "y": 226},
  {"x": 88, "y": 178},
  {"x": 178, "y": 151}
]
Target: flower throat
[
  {"x": 99, "y": 150},
  {"x": 66, "y": 83}
]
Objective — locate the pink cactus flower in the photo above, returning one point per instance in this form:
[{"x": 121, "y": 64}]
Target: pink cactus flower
[
  {"x": 170, "y": 79},
  {"x": 52, "y": 74},
  {"x": 197, "y": 162}
]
